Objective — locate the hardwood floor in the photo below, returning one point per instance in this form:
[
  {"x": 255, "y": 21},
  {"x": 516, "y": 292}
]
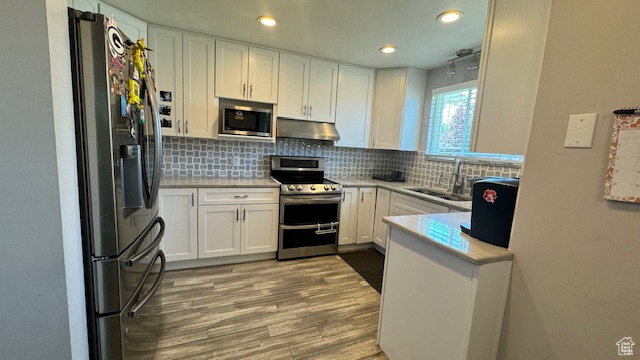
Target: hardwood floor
[{"x": 317, "y": 308}]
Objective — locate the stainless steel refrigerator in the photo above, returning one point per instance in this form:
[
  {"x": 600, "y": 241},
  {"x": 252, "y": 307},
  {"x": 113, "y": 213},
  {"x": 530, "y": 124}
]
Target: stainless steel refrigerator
[{"x": 119, "y": 149}]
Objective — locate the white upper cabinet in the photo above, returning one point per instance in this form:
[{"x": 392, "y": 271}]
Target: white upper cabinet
[
  {"x": 166, "y": 59},
  {"x": 200, "y": 106},
  {"x": 398, "y": 108},
  {"x": 307, "y": 88},
  {"x": 512, "y": 51},
  {"x": 246, "y": 73},
  {"x": 354, "y": 105},
  {"x": 184, "y": 66},
  {"x": 131, "y": 26},
  {"x": 263, "y": 75}
]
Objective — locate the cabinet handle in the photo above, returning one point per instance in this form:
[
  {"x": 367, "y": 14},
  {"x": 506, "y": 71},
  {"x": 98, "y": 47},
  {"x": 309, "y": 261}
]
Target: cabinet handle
[
  {"x": 193, "y": 199},
  {"x": 240, "y": 196},
  {"x": 310, "y": 109},
  {"x": 237, "y": 214},
  {"x": 361, "y": 197},
  {"x": 304, "y": 110},
  {"x": 343, "y": 196},
  {"x": 178, "y": 129},
  {"x": 244, "y": 214},
  {"x": 250, "y": 91},
  {"x": 244, "y": 89},
  {"x": 186, "y": 126}
]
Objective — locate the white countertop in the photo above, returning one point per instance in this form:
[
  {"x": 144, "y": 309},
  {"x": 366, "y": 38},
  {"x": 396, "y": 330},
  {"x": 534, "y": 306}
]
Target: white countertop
[
  {"x": 443, "y": 231},
  {"x": 192, "y": 181},
  {"x": 403, "y": 188}
]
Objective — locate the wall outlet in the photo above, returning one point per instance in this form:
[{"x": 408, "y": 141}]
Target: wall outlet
[{"x": 236, "y": 160}]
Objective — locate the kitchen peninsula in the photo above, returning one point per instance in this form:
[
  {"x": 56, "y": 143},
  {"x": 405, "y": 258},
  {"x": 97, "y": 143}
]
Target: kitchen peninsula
[{"x": 443, "y": 293}]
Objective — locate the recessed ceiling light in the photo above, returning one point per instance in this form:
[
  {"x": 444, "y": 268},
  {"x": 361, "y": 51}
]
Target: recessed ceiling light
[
  {"x": 388, "y": 49},
  {"x": 267, "y": 21},
  {"x": 449, "y": 16}
]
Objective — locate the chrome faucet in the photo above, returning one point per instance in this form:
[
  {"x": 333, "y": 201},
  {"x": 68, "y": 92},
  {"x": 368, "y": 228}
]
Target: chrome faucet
[{"x": 457, "y": 179}]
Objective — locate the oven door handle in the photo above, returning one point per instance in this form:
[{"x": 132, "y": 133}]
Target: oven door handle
[
  {"x": 312, "y": 226},
  {"x": 309, "y": 200}
]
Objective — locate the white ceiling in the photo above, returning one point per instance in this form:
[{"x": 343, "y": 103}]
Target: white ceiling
[{"x": 350, "y": 31}]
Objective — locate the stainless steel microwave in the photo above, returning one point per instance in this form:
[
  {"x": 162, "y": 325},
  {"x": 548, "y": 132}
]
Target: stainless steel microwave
[{"x": 244, "y": 118}]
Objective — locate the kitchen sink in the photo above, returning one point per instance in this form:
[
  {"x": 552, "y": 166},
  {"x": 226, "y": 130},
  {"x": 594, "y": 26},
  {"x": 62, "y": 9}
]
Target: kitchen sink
[{"x": 442, "y": 195}]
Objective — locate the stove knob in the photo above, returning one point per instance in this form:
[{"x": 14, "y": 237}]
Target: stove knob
[
  {"x": 291, "y": 187},
  {"x": 299, "y": 187},
  {"x": 312, "y": 187},
  {"x": 333, "y": 187},
  {"x": 326, "y": 187}
]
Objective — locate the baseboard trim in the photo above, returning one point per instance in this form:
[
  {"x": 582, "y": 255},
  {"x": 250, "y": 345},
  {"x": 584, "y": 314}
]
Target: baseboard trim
[
  {"x": 380, "y": 249},
  {"x": 354, "y": 247},
  {"x": 225, "y": 260}
]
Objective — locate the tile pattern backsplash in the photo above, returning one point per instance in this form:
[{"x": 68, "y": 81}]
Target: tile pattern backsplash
[
  {"x": 202, "y": 157},
  {"x": 428, "y": 172}
]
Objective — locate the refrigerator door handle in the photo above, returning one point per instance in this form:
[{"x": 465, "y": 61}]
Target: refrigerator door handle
[
  {"x": 157, "y": 166},
  {"x": 156, "y": 285},
  {"x": 139, "y": 256}
]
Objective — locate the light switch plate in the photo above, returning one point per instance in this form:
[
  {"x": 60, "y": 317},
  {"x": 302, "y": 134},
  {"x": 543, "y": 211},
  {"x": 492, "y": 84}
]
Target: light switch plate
[{"x": 580, "y": 130}]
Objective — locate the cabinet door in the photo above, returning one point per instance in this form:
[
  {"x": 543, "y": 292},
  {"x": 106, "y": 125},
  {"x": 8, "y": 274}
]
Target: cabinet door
[
  {"x": 179, "y": 211},
  {"x": 381, "y": 230},
  {"x": 166, "y": 59},
  {"x": 394, "y": 211},
  {"x": 231, "y": 70},
  {"x": 218, "y": 230},
  {"x": 366, "y": 215},
  {"x": 509, "y": 74},
  {"x": 353, "y": 106},
  {"x": 323, "y": 86},
  {"x": 293, "y": 86},
  {"x": 200, "y": 106},
  {"x": 131, "y": 26},
  {"x": 259, "y": 228},
  {"x": 263, "y": 75},
  {"x": 348, "y": 217},
  {"x": 389, "y": 98}
]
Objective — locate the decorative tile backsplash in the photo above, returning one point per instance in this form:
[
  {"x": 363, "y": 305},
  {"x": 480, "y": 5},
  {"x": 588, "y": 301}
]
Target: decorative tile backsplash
[
  {"x": 216, "y": 158},
  {"x": 425, "y": 171},
  {"x": 201, "y": 157}
]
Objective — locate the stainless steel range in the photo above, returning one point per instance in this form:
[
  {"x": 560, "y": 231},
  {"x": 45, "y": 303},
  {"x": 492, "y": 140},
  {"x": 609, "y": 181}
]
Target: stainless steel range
[{"x": 309, "y": 207}]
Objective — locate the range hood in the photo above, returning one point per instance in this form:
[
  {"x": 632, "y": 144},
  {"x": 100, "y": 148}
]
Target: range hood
[{"x": 303, "y": 129}]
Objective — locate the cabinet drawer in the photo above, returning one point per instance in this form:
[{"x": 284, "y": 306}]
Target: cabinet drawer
[
  {"x": 212, "y": 196},
  {"x": 416, "y": 206}
]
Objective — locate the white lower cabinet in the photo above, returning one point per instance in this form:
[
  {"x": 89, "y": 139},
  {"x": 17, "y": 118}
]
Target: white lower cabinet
[
  {"x": 241, "y": 225},
  {"x": 357, "y": 216},
  {"x": 380, "y": 229},
  {"x": 348, "y": 216},
  {"x": 242, "y": 221},
  {"x": 178, "y": 209},
  {"x": 218, "y": 230},
  {"x": 259, "y": 231}
]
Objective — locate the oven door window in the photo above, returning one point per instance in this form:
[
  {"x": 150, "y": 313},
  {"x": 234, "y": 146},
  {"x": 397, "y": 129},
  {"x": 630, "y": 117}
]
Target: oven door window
[{"x": 307, "y": 214}]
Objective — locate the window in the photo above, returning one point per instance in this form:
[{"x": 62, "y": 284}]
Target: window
[
  {"x": 450, "y": 123},
  {"x": 451, "y": 118}
]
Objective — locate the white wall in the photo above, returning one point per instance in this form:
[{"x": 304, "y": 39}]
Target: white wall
[
  {"x": 34, "y": 222},
  {"x": 575, "y": 287}
]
